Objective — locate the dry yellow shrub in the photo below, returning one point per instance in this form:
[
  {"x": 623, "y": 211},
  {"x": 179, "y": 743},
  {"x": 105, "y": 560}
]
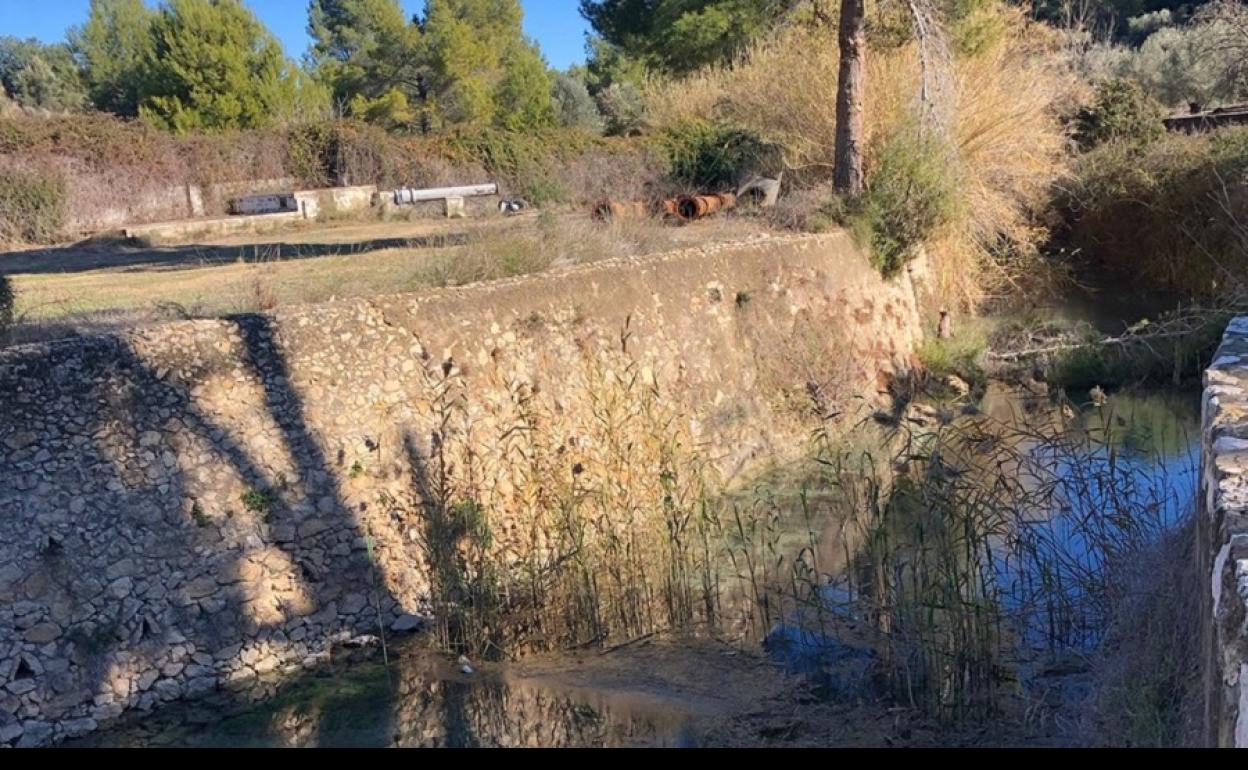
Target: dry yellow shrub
[{"x": 1006, "y": 130}]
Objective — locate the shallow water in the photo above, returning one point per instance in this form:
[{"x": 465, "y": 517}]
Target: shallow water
[
  {"x": 1136, "y": 454},
  {"x": 420, "y": 700},
  {"x": 423, "y": 700}
]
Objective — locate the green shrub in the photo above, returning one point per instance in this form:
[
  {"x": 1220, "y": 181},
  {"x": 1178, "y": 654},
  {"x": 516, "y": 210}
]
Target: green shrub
[
  {"x": 32, "y": 206},
  {"x": 259, "y": 501},
  {"x": 961, "y": 356},
  {"x": 1122, "y": 111},
  {"x": 312, "y": 153},
  {"x": 622, "y": 107},
  {"x": 974, "y": 26},
  {"x": 911, "y": 192},
  {"x": 574, "y": 107},
  {"x": 1170, "y": 217},
  {"x": 713, "y": 157}
]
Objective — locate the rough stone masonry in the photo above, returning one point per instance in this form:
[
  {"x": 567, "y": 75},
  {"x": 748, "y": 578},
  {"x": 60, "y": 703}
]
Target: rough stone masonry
[
  {"x": 201, "y": 503},
  {"x": 1222, "y": 540}
]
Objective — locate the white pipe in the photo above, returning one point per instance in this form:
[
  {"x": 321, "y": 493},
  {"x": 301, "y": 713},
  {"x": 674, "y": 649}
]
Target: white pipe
[{"x": 408, "y": 195}]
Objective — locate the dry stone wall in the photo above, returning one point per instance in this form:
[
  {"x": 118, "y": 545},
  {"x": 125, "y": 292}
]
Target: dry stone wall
[
  {"x": 1223, "y": 540},
  {"x": 201, "y": 503}
]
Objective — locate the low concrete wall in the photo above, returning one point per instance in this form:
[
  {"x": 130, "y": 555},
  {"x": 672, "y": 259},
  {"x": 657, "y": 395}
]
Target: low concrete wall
[
  {"x": 197, "y": 504},
  {"x": 1223, "y": 540},
  {"x": 98, "y": 203},
  {"x": 335, "y": 200},
  {"x": 215, "y": 227},
  {"x": 311, "y": 204}
]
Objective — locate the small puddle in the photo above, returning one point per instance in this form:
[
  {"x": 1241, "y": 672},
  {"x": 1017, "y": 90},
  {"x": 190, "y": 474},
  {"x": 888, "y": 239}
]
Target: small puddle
[{"x": 421, "y": 701}]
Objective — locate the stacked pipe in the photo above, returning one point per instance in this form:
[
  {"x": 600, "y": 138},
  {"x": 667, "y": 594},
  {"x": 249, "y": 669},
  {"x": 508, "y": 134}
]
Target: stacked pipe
[
  {"x": 685, "y": 208},
  {"x": 693, "y": 207}
]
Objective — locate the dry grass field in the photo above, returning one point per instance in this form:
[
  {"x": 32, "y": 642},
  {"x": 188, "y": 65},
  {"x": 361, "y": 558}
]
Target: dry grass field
[{"x": 97, "y": 285}]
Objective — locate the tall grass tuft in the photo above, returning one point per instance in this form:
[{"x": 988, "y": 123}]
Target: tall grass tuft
[{"x": 593, "y": 530}]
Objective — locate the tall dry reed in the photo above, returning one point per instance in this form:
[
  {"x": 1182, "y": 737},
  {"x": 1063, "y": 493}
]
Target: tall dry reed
[{"x": 1010, "y": 145}]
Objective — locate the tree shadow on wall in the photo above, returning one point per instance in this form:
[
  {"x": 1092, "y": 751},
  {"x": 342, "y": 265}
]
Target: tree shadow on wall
[
  {"x": 455, "y": 538},
  {"x": 138, "y": 448}
]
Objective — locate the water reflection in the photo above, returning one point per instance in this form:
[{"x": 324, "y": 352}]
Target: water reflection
[
  {"x": 419, "y": 702},
  {"x": 1015, "y": 535},
  {"x": 1128, "y": 466},
  {"x": 1125, "y": 472}
]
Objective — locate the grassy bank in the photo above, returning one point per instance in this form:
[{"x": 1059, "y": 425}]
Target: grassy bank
[{"x": 109, "y": 285}]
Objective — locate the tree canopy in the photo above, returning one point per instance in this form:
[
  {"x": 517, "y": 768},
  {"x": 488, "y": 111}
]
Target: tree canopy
[
  {"x": 681, "y": 35},
  {"x": 113, "y": 48},
  {"x": 465, "y": 62},
  {"x": 191, "y": 65},
  {"x": 369, "y": 56},
  {"x": 40, "y": 76},
  {"x": 213, "y": 65}
]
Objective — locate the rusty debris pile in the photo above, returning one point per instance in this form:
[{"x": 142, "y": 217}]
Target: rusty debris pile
[
  {"x": 683, "y": 208},
  {"x": 690, "y": 208}
]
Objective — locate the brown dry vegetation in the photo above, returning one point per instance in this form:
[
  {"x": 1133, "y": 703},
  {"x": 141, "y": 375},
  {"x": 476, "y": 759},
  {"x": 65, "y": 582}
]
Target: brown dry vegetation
[
  {"x": 1010, "y": 145},
  {"x": 108, "y": 169}
]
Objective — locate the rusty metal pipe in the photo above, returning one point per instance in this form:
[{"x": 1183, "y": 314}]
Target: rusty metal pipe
[
  {"x": 690, "y": 208},
  {"x": 686, "y": 208},
  {"x": 608, "y": 209}
]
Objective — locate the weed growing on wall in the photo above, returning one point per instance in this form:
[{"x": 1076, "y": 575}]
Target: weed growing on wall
[
  {"x": 911, "y": 194},
  {"x": 259, "y": 501}
]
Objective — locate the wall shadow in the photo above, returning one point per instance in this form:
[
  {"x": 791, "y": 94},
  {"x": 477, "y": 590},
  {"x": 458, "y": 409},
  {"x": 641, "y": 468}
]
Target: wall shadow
[
  {"x": 132, "y": 256},
  {"x": 109, "y": 539}
]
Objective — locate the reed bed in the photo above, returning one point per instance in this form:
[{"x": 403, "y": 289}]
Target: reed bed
[{"x": 951, "y": 552}]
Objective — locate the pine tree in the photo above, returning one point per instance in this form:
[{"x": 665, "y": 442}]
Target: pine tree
[
  {"x": 483, "y": 70},
  {"x": 213, "y": 65},
  {"x": 369, "y": 56},
  {"x": 113, "y": 46},
  {"x": 681, "y": 35}
]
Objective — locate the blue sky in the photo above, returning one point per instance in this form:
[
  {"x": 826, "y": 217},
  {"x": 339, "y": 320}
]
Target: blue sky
[{"x": 555, "y": 24}]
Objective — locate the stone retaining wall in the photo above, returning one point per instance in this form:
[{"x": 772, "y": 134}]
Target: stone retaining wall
[
  {"x": 1223, "y": 539},
  {"x": 201, "y": 503}
]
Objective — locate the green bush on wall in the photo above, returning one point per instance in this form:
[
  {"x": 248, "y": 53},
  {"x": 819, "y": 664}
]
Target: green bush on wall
[
  {"x": 713, "y": 157},
  {"x": 911, "y": 191},
  {"x": 1122, "y": 111}
]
